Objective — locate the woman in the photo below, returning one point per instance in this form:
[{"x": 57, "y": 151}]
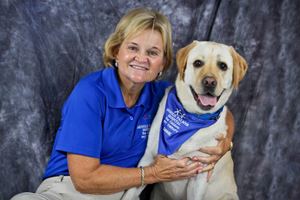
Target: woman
[{"x": 106, "y": 119}]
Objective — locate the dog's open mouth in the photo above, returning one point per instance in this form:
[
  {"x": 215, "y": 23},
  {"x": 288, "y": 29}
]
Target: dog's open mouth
[{"x": 205, "y": 101}]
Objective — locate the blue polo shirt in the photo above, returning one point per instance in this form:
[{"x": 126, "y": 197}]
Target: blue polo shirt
[{"x": 97, "y": 123}]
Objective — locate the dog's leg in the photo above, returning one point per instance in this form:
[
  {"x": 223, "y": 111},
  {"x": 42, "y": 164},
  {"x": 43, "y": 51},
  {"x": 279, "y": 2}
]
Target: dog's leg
[
  {"x": 196, "y": 187},
  {"x": 222, "y": 185}
]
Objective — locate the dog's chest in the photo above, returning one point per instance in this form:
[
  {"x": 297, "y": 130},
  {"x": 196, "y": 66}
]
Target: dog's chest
[{"x": 202, "y": 138}]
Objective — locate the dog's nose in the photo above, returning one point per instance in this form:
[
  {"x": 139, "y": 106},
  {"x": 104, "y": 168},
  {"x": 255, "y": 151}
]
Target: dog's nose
[{"x": 209, "y": 82}]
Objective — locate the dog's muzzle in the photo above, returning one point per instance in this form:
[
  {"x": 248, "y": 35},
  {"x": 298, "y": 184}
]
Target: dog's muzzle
[{"x": 207, "y": 100}]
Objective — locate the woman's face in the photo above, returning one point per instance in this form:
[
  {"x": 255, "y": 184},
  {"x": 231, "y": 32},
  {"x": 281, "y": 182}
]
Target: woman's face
[{"x": 141, "y": 57}]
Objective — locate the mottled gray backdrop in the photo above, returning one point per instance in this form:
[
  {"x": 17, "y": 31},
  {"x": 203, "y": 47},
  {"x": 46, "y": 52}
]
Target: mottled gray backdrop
[{"x": 47, "y": 45}]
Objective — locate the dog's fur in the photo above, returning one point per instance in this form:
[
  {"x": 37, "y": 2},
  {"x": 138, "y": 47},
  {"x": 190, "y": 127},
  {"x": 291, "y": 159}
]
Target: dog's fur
[{"x": 219, "y": 71}]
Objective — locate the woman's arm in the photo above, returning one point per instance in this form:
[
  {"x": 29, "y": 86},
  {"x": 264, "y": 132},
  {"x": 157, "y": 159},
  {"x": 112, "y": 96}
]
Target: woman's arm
[{"x": 90, "y": 176}]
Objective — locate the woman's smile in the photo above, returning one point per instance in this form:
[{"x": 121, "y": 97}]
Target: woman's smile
[{"x": 140, "y": 67}]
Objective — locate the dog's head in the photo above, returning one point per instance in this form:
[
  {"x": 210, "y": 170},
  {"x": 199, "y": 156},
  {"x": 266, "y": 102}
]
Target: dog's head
[{"x": 208, "y": 72}]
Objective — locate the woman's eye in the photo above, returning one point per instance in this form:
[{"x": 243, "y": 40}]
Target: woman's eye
[
  {"x": 132, "y": 48},
  {"x": 152, "y": 53}
]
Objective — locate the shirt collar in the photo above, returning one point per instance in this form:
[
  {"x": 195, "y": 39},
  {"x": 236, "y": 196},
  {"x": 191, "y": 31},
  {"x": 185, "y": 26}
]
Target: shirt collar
[{"x": 114, "y": 94}]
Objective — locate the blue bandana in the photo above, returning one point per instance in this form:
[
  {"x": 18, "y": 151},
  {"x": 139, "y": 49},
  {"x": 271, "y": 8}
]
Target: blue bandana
[{"x": 178, "y": 125}]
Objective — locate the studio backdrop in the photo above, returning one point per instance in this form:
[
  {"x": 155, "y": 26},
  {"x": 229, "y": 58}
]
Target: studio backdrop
[{"x": 46, "y": 46}]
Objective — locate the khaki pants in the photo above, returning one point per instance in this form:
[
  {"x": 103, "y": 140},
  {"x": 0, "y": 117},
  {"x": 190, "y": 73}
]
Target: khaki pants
[{"x": 61, "y": 188}]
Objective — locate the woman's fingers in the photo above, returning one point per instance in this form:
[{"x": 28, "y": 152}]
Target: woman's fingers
[
  {"x": 190, "y": 170},
  {"x": 209, "y": 174},
  {"x": 183, "y": 162},
  {"x": 207, "y": 159},
  {"x": 214, "y": 150},
  {"x": 220, "y": 136},
  {"x": 208, "y": 167},
  {"x": 184, "y": 168}
]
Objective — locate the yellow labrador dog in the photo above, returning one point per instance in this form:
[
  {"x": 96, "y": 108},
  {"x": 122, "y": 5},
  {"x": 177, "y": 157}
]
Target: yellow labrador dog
[{"x": 190, "y": 116}]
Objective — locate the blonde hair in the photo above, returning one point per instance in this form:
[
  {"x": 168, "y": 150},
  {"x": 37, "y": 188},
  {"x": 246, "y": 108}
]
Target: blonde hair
[{"x": 131, "y": 24}]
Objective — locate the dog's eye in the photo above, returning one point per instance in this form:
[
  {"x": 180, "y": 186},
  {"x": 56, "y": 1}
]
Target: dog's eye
[
  {"x": 198, "y": 63},
  {"x": 222, "y": 66}
]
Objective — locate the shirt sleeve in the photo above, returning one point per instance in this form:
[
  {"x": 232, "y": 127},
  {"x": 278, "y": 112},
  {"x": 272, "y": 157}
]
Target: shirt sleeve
[{"x": 81, "y": 126}]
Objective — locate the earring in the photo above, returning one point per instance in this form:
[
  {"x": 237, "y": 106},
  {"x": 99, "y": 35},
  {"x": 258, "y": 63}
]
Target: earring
[
  {"x": 159, "y": 75},
  {"x": 116, "y": 64}
]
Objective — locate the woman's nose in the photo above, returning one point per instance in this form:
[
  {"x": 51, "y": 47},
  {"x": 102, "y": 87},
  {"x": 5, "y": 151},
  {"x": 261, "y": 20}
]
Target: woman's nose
[{"x": 141, "y": 57}]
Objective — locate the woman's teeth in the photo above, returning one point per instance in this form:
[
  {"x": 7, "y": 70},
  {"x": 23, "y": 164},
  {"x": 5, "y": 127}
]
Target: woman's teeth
[{"x": 139, "y": 67}]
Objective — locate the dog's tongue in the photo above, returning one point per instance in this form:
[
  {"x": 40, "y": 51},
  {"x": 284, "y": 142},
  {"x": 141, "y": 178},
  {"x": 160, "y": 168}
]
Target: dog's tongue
[{"x": 207, "y": 100}]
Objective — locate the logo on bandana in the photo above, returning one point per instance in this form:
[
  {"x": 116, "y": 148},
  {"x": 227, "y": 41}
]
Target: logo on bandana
[
  {"x": 173, "y": 121},
  {"x": 179, "y": 125},
  {"x": 179, "y": 113}
]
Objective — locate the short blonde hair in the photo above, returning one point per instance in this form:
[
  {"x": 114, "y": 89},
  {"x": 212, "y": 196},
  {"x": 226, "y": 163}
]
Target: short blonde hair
[{"x": 131, "y": 24}]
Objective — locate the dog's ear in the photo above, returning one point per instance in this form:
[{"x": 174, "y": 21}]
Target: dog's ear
[
  {"x": 240, "y": 67},
  {"x": 181, "y": 58}
]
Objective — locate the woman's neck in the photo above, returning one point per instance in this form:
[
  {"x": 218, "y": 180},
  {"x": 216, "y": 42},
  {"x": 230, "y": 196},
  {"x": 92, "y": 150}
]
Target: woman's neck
[{"x": 130, "y": 91}]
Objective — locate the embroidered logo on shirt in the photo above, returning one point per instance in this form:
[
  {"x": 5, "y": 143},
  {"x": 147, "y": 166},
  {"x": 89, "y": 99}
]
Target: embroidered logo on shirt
[{"x": 144, "y": 129}]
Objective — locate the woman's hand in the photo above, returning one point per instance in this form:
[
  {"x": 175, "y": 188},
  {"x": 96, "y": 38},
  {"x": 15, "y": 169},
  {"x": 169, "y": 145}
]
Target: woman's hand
[
  {"x": 166, "y": 169},
  {"x": 216, "y": 152}
]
